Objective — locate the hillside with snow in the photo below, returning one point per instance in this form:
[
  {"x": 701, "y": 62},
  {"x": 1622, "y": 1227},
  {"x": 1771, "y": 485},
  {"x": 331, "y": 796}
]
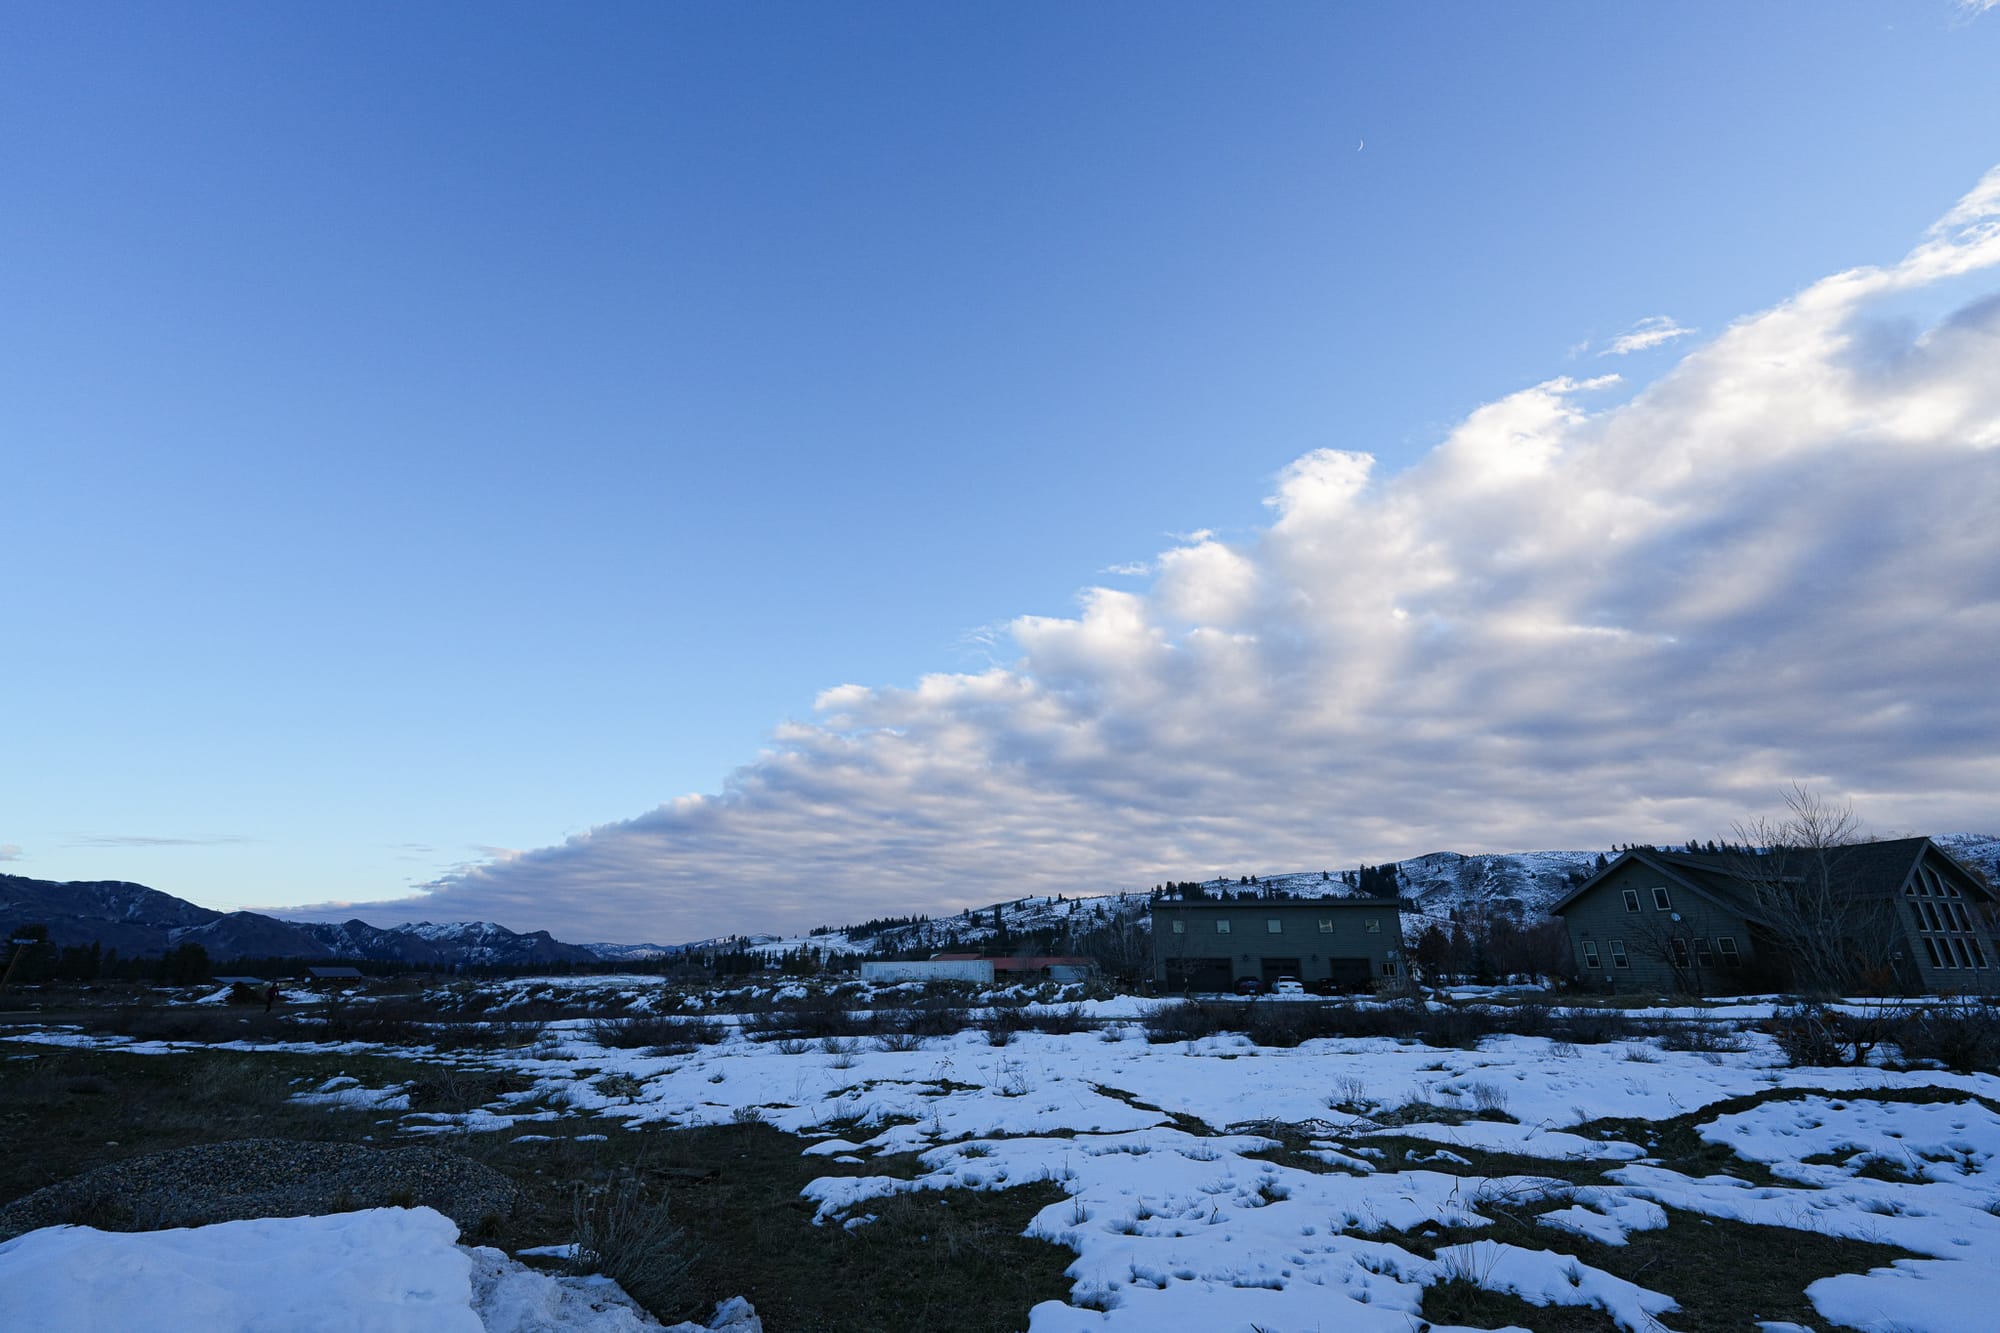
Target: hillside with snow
[{"x": 1434, "y": 887}]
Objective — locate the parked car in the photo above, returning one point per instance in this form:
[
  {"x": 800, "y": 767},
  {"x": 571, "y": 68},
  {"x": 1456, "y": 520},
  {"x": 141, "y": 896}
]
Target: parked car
[
  {"x": 1288, "y": 986},
  {"x": 1249, "y": 986}
]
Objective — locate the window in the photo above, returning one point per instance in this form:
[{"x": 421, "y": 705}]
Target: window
[
  {"x": 1680, "y": 950},
  {"x": 1978, "y": 954},
  {"x": 1388, "y": 969},
  {"x": 1631, "y": 900},
  {"x": 1326, "y": 925},
  {"x": 1618, "y": 958},
  {"x": 1222, "y": 925},
  {"x": 1274, "y": 925},
  {"x": 1930, "y": 947},
  {"x": 1180, "y": 927},
  {"x": 1964, "y": 958},
  {"x": 1662, "y": 903},
  {"x": 1704, "y": 953},
  {"x": 1727, "y": 947},
  {"x": 1374, "y": 925},
  {"x": 1590, "y": 955}
]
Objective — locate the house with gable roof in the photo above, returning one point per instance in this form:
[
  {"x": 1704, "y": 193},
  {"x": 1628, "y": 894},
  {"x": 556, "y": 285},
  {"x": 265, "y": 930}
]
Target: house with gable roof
[{"x": 1899, "y": 915}]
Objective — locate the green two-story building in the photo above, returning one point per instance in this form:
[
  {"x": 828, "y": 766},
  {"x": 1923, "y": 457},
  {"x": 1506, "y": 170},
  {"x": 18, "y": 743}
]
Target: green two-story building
[{"x": 1328, "y": 943}]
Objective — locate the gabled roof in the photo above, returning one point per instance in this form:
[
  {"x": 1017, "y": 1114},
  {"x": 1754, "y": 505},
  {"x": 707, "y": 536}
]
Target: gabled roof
[
  {"x": 1860, "y": 870},
  {"x": 1696, "y": 872}
]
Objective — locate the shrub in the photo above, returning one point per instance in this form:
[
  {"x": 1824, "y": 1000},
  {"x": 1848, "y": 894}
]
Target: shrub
[
  {"x": 1699, "y": 1035},
  {"x": 928, "y": 1018},
  {"x": 1191, "y": 1020},
  {"x": 1461, "y": 1028},
  {"x": 1589, "y": 1027},
  {"x": 1531, "y": 1018},
  {"x": 1000, "y": 1024},
  {"x": 1963, "y": 1035},
  {"x": 625, "y": 1235},
  {"x": 813, "y": 1018},
  {"x": 1810, "y": 1034},
  {"x": 1058, "y": 1019},
  {"x": 658, "y": 1034}
]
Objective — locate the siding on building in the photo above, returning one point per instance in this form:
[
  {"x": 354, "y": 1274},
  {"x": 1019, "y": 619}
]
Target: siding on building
[{"x": 1602, "y": 925}]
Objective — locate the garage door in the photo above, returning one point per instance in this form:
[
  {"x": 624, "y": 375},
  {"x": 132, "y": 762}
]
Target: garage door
[
  {"x": 1198, "y": 974},
  {"x": 1350, "y": 973}
]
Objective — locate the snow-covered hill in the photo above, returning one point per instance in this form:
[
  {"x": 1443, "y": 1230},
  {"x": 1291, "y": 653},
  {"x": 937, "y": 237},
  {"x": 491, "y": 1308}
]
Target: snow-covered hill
[{"x": 1436, "y": 885}]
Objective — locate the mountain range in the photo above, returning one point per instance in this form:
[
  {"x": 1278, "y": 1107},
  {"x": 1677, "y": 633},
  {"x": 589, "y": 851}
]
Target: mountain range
[{"x": 144, "y": 922}]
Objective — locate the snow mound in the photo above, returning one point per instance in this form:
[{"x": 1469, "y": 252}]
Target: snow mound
[
  {"x": 383, "y": 1270},
  {"x": 388, "y": 1270}
]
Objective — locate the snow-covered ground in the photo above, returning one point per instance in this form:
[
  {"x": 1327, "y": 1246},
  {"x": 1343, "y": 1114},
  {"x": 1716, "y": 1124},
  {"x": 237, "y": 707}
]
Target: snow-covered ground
[{"x": 1182, "y": 1213}]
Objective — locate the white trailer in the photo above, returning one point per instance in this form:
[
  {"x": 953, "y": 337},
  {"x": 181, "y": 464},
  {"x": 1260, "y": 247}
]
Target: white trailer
[{"x": 968, "y": 969}]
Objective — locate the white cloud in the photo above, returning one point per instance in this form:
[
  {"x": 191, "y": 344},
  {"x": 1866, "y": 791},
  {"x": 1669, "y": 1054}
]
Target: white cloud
[
  {"x": 1652, "y": 331},
  {"x": 10, "y": 851},
  {"x": 1570, "y": 624}
]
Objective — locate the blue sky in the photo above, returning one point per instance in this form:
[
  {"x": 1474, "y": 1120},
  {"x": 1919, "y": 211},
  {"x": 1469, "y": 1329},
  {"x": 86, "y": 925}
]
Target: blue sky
[{"x": 433, "y": 432}]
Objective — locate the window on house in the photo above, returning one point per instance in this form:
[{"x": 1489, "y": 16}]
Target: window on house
[
  {"x": 1726, "y": 946},
  {"x": 1680, "y": 948},
  {"x": 1222, "y": 925},
  {"x": 1958, "y": 944},
  {"x": 1274, "y": 925},
  {"x": 1388, "y": 969},
  {"x": 1978, "y": 954},
  {"x": 1631, "y": 900},
  {"x": 1326, "y": 925},
  {"x": 1704, "y": 953},
  {"x": 1930, "y": 947},
  {"x": 1374, "y": 925},
  {"x": 1180, "y": 927},
  {"x": 1590, "y": 955},
  {"x": 1661, "y": 902},
  {"x": 1618, "y": 958},
  {"x": 1958, "y": 914}
]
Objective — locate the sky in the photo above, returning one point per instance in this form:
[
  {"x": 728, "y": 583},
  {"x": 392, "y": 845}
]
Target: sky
[{"x": 651, "y": 472}]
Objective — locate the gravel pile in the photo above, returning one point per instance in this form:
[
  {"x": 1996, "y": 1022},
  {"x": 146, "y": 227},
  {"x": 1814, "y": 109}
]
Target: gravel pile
[{"x": 224, "y": 1182}]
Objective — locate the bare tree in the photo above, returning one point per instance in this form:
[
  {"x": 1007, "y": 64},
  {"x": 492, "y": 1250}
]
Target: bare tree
[
  {"x": 1670, "y": 942},
  {"x": 1796, "y": 869}
]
